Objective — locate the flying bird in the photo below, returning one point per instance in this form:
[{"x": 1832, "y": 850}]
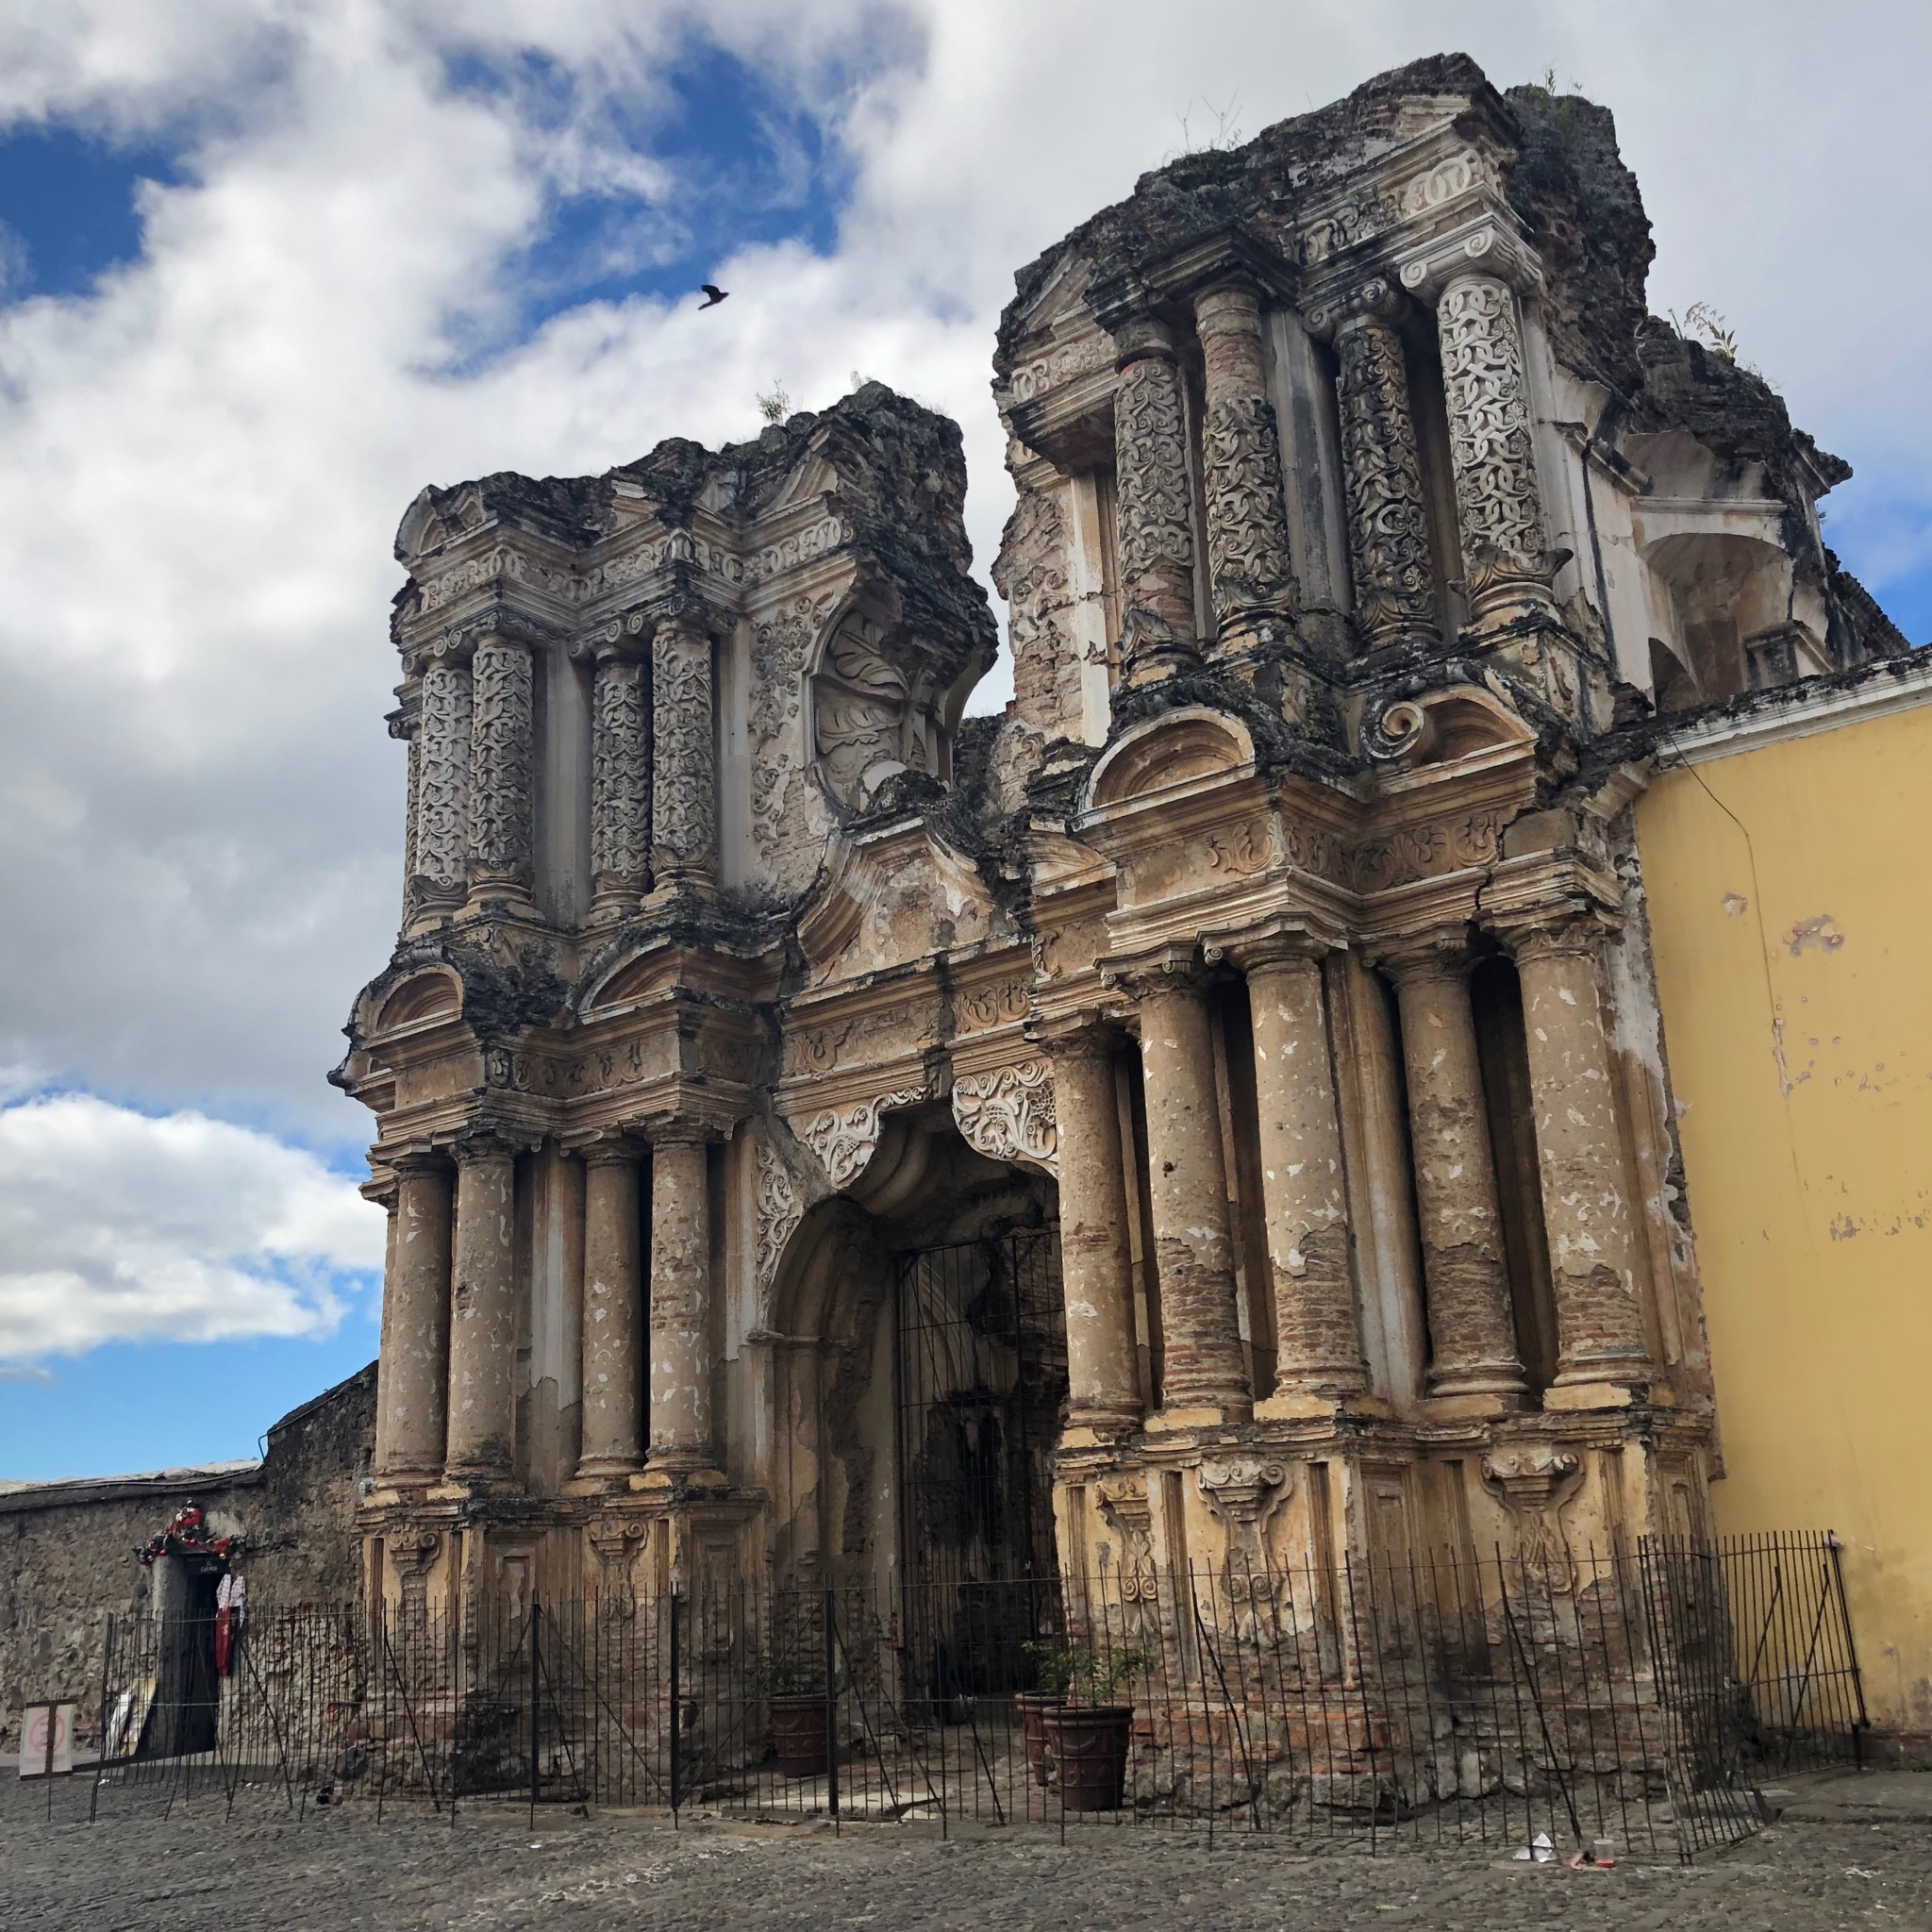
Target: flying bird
[{"x": 713, "y": 295}]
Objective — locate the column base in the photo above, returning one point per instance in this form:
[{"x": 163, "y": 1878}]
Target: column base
[
  {"x": 602, "y": 1468},
  {"x": 613, "y": 908},
  {"x": 1100, "y": 1429},
  {"x": 1198, "y": 1415},
  {"x": 669, "y": 1478},
  {"x": 499, "y": 899},
  {"x": 1306, "y": 1404}
]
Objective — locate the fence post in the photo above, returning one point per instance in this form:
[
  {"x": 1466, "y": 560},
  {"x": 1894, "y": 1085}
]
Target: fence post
[
  {"x": 93, "y": 1797},
  {"x": 677, "y": 1706},
  {"x": 1862, "y": 1722},
  {"x": 536, "y": 1626},
  {"x": 831, "y": 1705}
]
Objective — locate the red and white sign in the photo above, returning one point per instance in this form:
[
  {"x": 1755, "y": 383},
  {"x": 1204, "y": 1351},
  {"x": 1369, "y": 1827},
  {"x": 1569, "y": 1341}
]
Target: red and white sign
[{"x": 46, "y": 1740}]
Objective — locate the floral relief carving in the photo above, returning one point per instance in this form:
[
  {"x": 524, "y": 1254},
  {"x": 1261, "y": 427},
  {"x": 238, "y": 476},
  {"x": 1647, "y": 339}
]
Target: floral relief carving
[
  {"x": 983, "y": 1007},
  {"x": 816, "y": 1050},
  {"x": 442, "y": 802},
  {"x": 500, "y": 727},
  {"x": 1238, "y": 850},
  {"x": 777, "y": 656},
  {"x": 1498, "y": 505},
  {"x": 683, "y": 801},
  {"x": 1155, "y": 526},
  {"x": 1057, "y": 366},
  {"x": 1247, "y": 512},
  {"x": 1453, "y": 175},
  {"x": 868, "y": 723},
  {"x": 1009, "y": 1114},
  {"x": 844, "y": 1139},
  {"x": 1388, "y": 526},
  {"x": 621, "y": 775},
  {"x": 1427, "y": 851},
  {"x": 781, "y": 1208}
]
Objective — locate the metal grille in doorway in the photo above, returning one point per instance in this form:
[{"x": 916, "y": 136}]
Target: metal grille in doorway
[{"x": 981, "y": 1374}]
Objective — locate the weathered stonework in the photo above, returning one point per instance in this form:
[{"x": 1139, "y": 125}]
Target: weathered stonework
[{"x": 1263, "y": 963}]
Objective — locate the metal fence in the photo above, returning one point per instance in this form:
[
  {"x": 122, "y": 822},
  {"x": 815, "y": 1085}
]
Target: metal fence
[{"x": 1631, "y": 1699}]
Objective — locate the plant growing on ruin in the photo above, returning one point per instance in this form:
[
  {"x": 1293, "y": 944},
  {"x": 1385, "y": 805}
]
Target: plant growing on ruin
[{"x": 774, "y": 405}]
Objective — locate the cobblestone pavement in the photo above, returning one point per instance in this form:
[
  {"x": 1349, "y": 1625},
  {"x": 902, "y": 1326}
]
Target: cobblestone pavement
[{"x": 339, "y": 1867}]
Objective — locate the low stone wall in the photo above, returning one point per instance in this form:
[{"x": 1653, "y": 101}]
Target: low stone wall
[{"x": 68, "y": 1547}]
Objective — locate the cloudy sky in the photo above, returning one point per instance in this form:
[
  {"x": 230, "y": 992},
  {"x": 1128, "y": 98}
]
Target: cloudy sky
[{"x": 268, "y": 266}]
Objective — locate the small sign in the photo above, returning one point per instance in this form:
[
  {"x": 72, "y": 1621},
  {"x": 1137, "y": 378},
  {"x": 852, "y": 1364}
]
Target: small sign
[{"x": 46, "y": 1740}]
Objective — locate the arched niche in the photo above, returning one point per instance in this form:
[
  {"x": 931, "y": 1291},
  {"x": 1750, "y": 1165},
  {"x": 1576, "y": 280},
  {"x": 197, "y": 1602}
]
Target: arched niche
[
  {"x": 840, "y": 1376},
  {"x": 1181, "y": 747},
  {"x": 1444, "y": 727},
  {"x": 876, "y": 707},
  {"x": 436, "y": 995}
]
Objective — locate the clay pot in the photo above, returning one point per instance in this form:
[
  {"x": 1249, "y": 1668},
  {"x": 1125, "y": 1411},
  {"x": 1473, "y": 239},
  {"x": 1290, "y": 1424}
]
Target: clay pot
[
  {"x": 800, "y": 1735},
  {"x": 1089, "y": 1746},
  {"x": 1031, "y": 1708}
]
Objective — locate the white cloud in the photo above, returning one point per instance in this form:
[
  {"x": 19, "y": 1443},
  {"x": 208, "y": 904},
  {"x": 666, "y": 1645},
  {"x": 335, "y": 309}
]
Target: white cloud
[
  {"x": 202, "y": 465},
  {"x": 115, "y": 1226}
]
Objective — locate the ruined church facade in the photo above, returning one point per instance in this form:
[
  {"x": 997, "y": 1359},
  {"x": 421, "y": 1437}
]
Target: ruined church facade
[{"x": 1216, "y": 1112}]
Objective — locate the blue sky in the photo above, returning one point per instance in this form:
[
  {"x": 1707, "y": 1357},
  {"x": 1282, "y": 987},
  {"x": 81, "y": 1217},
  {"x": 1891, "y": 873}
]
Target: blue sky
[{"x": 264, "y": 272}]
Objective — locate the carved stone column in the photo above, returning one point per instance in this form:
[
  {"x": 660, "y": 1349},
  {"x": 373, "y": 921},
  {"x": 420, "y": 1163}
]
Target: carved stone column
[
  {"x": 1471, "y": 1327},
  {"x": 1587, "y": 1208},
  {"x": 613, "y": 1379},
  {"x": 443, "y": 783},
  {"x": 684, "y": 783},
  {"x": 1155, "y": 506},
  {"x": 501, "y": 822},
  {"x": 619, "y": 778},
  {"x": 1304, "y": 1188},
  {"x": 1388, "y": 522},
  {"x": 680, "y": 1307},
  {"x": 1203, "y": 1368},
  {"x": 1498, "y": 499},
  {"x": 1103, "y": 1371},
  {"x": 413, "y": 1378},
  {"x": 483, "y": 1323},
  {"x": 1250, "y": 565}
]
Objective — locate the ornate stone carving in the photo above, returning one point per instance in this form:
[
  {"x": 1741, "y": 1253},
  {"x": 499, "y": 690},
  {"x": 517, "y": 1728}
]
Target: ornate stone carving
[
  {"x": 1247, "y": 514},
  {"x": 1451, "y": 175},
  {"x": 1058, "y": 366},
  {"x": 684, "y": 809},
  {"x": 1009, "y": 1114},
  {"x": 862, "y": 714},
  {"x": 1388, "y": 525},
  {"x": 777, "y": 656},
  {"x": 1245, "y": 1492},
  {"x": 443, "y": 798},
  {"x": 780, "y": 1210},
  {"x": 845, "y": 1138},
  {"x": 1124, "y": 1505},
  {"x": 1427, "y": 851},
  {"x": 1154, "y": 512},
  {"x": 620, "y": 774},
  {"x": 500, "y": 795},
  {"x": 412, "y": 1555},
  {"x": 983, "y": 1008},
  {"x": 616, "y": 1545},
  {"x": 1534, "y": 1484},
  {"x": 1498, "y": 504}
]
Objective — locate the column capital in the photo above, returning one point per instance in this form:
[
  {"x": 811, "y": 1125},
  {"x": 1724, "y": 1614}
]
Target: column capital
[
  {"x": 1142, "y": 338},
  {"x": 626, "y": 639},
  {"x": 680, "y": 613},
  {"x": 1088, "y": 1035},
  {"x": 610, "y": 1148},
  {"x": 1378, "y": 299},
  {"x": 1279, "y": 942},
  {"x": 408, "y": 1163},
  {"x": 382, "y": 1189},
  {"x": 1174, "y": 968},
  {"x": 1440, "y": 953},
  {"x": 488, "y": 1143},
  {"x": 1571, "y": 930}
]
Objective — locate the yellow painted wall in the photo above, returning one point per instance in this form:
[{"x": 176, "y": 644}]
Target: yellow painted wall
[{"x": 1790, "y": 900}]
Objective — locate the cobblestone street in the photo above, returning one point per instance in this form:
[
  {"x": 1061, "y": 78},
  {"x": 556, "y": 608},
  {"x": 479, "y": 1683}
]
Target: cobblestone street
[{"x": 1827, "y": 1864}]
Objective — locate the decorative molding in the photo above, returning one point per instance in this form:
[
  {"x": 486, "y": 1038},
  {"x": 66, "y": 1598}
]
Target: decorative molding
[
  {"x": 1084, "y": 356},
  {"x": 501, "y": 722},
  {"x": 781, "y": 1208},
  {"x": 684, "y": 811},
  {"x": 845, "y": 1139},
  {"x": 1249, "y": 560},
  {"x": 1534, "y": 1484},
  {"x": 1154, "y": 513},
  {"x": 1009, "y": 1114},
  {"x": 621, "y": 775},
  {"x": 442, "y": 794},
  {"x": 616, "y": 1545},
  {"x": 1428, "y": 850}
]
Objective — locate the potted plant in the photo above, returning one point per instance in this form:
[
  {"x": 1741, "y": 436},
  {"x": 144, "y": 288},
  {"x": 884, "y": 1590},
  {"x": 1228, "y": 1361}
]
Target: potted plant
[
  {"x": 1053, "y": 1665},
  {"x": 1087, "y": 1736},
  {"x": 800, "y": 1714}
]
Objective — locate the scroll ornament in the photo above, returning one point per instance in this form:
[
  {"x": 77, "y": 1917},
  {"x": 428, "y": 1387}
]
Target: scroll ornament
[
  {"x": 844, "y": 1139},
  {"x": 1009, "y": 1114}
]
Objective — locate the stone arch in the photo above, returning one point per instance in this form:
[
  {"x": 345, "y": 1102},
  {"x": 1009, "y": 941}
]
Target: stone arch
[
  {"x": 433, "y": 995},
  {"x": 1180, "y": 747}
]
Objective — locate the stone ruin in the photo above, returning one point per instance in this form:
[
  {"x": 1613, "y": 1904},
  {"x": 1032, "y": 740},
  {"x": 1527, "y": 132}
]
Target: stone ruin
[{"x": 1213, "y": 1114}]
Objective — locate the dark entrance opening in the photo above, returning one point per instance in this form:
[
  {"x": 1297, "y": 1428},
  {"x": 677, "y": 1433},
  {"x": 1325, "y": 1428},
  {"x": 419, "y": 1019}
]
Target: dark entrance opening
[
  {"x": 185, "y": 1715},
  {"x": 981, "y": 1375}
]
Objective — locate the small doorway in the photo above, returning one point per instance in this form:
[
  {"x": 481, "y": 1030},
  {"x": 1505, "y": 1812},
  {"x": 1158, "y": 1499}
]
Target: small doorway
[
  {"x": 981, "y": 1375},
  {"x": 185, "y": 1716}
]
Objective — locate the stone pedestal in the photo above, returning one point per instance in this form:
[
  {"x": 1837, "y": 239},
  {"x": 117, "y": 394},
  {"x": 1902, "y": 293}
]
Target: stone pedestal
[
  {"x": 614, "y": 1314},
  {"x": 483, "y": 1322},
  {"x": 1471, "y": 1328}
]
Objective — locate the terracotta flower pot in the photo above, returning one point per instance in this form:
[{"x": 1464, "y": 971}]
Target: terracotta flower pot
[
  {"x": 799, "y": 1732},
  {"x": 1089, "y": 1746},
  {"x": 1032, "y": 1706}
]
